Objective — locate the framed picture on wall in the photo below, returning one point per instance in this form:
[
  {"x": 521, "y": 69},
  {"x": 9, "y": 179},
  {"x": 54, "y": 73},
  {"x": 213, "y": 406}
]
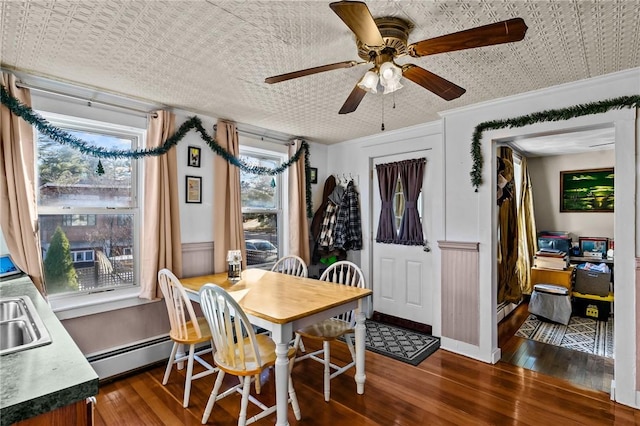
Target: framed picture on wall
[
  {"x": 313, "y": 174},
  {"x": 194, "y": 157},
  {"x": 193, "y": 192},
  {"x": 589, "y": 190}
]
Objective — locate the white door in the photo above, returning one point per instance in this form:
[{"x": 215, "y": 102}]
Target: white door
[{"x": 403, "y": 276}]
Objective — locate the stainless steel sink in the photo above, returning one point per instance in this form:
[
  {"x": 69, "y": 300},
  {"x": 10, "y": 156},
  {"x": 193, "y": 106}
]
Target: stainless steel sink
[{"x": 20, "y": 325}]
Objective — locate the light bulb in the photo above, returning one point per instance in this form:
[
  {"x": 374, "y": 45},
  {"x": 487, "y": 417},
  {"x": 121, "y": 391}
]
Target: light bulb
[{"x": 369, "y": 82}]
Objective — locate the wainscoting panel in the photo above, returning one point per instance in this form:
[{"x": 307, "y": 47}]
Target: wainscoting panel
[
  {"x": 460, "y": 287},
  {"x": 197, "y": 259}
]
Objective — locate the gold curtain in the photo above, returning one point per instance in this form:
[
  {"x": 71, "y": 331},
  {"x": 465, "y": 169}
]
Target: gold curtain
[
  {"x": 228, "y": 233},
  {"x": 298, "y": 224},
  {"x": 18, "y": 208},
  {"x": 161, "y": 245},
  {"x": 508, "y": 278},
  {"x": 527, "y": 242}
]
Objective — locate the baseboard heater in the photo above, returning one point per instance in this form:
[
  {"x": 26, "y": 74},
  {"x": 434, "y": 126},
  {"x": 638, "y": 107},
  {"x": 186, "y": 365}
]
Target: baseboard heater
[{"x": 123, "y": 359}]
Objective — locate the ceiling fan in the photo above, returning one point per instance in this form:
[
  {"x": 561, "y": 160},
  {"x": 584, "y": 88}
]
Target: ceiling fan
[{"x": 382, "y": 40}]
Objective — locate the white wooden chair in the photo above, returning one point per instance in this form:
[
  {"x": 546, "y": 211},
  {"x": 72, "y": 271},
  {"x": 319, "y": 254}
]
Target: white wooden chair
[
  {"x": 186, "y": 329},
  {"x": 245, "y": 357},
  {"x": 291, "y": 265},
  {"x": 347, "y": 273}
]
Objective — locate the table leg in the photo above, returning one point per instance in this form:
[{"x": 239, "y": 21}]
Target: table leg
[
  {"x": 360, "y": 348},
  {"x": 281, "y": 334}
]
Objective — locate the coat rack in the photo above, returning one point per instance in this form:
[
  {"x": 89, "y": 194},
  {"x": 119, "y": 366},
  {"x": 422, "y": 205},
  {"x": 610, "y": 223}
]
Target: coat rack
[{"x": 344, "y": 178}]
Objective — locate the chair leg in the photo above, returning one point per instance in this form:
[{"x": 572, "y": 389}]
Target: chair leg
[
  {"x": 187, "y": 380},
  {"x": 294, "y": 398},
  {"x": 327, "y": 370},
  {"x": 246, "y": 387},
  {"x": 170, "y": 363},
  {"x": 212, "y": 397}
]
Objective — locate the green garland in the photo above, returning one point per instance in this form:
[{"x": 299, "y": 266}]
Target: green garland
[
  {"x": 62, "y": 137},
  {"x": 538, "y": 117}
]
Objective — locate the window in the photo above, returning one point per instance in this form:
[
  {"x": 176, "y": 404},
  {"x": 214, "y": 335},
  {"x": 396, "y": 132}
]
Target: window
[
  {"x": 79, "y": 220},
  {"x": 399, "y": 204},
  {"x": 261, "y": 209},
  {"x": 88, "y": 221}
]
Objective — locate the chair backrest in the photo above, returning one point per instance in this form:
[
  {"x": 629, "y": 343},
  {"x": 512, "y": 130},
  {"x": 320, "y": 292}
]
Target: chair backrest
[
  {"x": 291, "y": 265},
  {"x": 346, "y": 273},
  {"x": 232, "y": 333},
  {"x": 178, "y": 306}
]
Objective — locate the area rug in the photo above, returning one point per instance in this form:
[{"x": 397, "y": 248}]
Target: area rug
[
  {"x": 582, "y": 334},
  {"x": 399, "y": 343}
]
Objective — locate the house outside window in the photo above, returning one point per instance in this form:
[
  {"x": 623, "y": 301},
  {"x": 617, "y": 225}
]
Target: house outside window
[
  {"x": 261, "y": 209},
  {"x": 89, "y": 219}
]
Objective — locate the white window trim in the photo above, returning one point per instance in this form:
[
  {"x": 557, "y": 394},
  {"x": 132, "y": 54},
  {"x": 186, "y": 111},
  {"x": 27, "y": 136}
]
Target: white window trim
[
  {"x": 81, "y": 305},
  {"x": 69, "y": 306}
]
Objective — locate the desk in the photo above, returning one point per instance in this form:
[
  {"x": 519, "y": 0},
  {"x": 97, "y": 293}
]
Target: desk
[{"x": 283, "y": 304}]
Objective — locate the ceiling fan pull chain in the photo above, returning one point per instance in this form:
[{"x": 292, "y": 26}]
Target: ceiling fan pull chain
[{"x": 382, "y": 127}]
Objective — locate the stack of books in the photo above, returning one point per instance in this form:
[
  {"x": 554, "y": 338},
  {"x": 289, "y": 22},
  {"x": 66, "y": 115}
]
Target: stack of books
[{"x": 551, "y": 259}]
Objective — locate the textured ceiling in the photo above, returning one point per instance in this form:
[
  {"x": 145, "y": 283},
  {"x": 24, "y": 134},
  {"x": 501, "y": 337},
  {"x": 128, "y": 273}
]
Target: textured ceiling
[{"x": 212, "y": 57}]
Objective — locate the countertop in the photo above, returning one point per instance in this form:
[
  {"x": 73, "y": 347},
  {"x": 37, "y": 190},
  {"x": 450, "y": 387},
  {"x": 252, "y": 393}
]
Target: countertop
[{"x": 44, "y": 378}]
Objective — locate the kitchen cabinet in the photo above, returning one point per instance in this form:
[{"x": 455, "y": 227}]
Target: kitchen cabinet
[{"x": 77, "y": 414}]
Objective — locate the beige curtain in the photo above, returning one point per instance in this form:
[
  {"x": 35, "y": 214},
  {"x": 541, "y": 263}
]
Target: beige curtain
[
  {"x": 18, "y": 210},
  {"x": 508, "y": 279},
  {"x": 527, "y": 243},
  {"x": 161, "y": 245},
  {"x": 228, "y": 233},
  {"x": 298, "y": 224}
]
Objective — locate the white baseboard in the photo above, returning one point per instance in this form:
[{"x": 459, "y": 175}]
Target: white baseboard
[{"x": 123, "y": 359}]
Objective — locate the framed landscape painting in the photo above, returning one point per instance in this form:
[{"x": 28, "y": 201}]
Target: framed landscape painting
[{"x": 589, "y": 190}]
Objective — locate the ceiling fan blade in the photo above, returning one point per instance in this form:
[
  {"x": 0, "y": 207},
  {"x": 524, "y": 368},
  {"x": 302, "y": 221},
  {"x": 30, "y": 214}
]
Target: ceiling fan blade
[
  {"x": 309, "y": 71},
  {"x": 432, "y": 82},
  {"x": 354, "y": 99},
  {"x": 358, "y": 18},
  {"x": 487, "y": 35}
]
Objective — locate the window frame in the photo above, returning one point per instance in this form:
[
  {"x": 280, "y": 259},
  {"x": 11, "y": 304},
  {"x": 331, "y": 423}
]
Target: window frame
[
  {"x": 281, "y": 208},
  {"x": 100, "y": 298}
]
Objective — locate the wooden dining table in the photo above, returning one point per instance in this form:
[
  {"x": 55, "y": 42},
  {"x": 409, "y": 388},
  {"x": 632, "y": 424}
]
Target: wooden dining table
[{"x": 283, "y": 304}]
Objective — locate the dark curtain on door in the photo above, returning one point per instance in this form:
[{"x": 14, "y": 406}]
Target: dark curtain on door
[
  {"x": 509, "y": 289},
  {"x": 411, "y": 174},
  {"x": 387, "y": 178}
]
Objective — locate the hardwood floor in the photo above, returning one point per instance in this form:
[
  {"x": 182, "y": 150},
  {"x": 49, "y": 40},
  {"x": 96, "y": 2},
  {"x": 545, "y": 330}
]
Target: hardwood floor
[
  {"x": 582, "y": 369},
  {"x": 445, "y": 389}
]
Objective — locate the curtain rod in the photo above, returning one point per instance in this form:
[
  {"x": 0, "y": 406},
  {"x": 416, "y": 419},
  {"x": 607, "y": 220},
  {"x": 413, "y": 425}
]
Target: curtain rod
[
  {"x": 261, "y": 137},
  {"x": 89, "y": 102}
]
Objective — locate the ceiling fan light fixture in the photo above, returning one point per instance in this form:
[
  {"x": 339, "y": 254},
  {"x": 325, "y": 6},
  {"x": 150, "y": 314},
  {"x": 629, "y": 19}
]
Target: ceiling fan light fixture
[
  {"x": 369, "y": 82},
  {"x": 390, "y": 75},
  {"x": 392, "y": 87}
]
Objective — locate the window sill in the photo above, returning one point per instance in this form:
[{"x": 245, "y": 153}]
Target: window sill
[{"x": 90, "y": 304}]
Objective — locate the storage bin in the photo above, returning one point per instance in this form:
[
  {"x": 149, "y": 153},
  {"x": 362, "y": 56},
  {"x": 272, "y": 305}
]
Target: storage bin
[
  {"x": 591, "y": 308},
  {"x": 554, "y": 243},
  {"x": 551, "y": 302},
  {"x": 592, "y": 282}
]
